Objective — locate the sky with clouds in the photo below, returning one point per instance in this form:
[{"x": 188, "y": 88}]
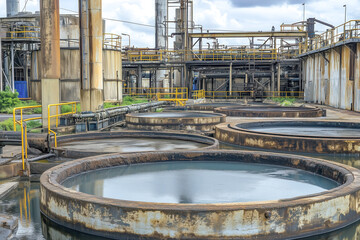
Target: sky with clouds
[{"x": 237, "y": 15}]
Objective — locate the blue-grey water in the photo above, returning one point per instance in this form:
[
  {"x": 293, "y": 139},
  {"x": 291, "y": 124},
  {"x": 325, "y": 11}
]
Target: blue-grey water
[
  {"x": 310, "y": 131},
  {"x": 199, "y": 182},
  {"x": 128, "y": 144}
]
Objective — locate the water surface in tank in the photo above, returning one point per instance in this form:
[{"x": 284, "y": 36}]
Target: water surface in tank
[
  {"x": 199, "y": 182},
  {"x": 174, "y": 114},
  {"x": 128, "y": 144},
  {"x": 320, "y": 131}
]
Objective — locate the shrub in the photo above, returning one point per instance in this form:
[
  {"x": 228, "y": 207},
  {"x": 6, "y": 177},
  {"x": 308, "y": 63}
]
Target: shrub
[{"x": 8, "y": 99}]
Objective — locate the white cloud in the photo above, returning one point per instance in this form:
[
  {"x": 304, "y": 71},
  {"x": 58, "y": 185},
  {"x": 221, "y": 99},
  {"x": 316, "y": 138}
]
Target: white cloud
[{"x": 213, "y": 14}]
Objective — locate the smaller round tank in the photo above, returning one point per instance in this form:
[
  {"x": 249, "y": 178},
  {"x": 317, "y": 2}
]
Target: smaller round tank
[
  {"x": 189, "y": 121},
  {"x": 271, "y": 111}
]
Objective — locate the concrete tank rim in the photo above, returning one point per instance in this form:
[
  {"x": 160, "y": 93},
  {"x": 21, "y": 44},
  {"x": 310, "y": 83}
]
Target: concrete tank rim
[
  {"x": 294, "y": 112},
  {"x": 211, "y": 143},
  {"x": 214, "y": 115},
  {"x": 352, "y": 183},
  {"x": 234, "y": 126}
]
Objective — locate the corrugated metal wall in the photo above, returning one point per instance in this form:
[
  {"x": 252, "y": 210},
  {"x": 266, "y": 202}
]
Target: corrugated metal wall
[
  {"x": 70, "y": 75},
  {"x": 327, "y": 79}
]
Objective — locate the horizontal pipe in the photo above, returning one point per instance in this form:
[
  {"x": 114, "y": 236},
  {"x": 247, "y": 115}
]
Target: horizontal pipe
[
  {"x": 119, "y": 110},
  {"x": 42, "y": 157}
]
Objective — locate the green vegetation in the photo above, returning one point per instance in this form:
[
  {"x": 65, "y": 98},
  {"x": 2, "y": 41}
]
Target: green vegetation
[
  {"x": 68, "y": 108},
  {"x": 10, "y": 100},
  {"x": 8, "y": 125},
  {"x": 130, "y": 100},
  {"x": 159, "y": 110},
  {"x": 284, "y": 101}
]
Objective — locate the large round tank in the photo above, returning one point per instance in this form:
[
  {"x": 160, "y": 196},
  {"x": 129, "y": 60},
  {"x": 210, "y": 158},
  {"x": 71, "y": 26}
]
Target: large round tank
[
  {"x": 200, "y": 218},
  {"x": 270, "y": 111},
  {"x": 190, "y": 121},
  {"x": 90, "y": 144},
  {"x": 298, "y": 136}
]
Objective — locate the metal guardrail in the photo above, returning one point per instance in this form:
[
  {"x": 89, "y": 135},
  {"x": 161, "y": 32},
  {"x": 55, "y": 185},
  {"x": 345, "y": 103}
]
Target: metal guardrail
[
  {"x": 151, "y": 92},
  {"x": 250, "y": 94},
  {"x": 22, "y": 123},
  {"x": 348, "y": 30},
  {"x": 180, "y": 98},
  {"x": 198, "y": 94},
  {"x": 57, "y": 115},
  {"x": 110, "y": 40},
  {"x": 203, "y": 55}
]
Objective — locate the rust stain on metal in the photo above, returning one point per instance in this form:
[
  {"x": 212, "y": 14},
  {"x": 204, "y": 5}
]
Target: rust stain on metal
[{"x": 279, "y": 219}]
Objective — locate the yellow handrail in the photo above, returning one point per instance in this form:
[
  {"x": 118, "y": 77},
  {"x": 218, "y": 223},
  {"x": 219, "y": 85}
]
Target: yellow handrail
[
  {"x": 199, "y": 94},
  {"x": 179, "y": 98},
  {"x": 249, "y": 94},
  {"x": 22, "y": 123},
  {"x": 57, "y": 115},
  {"x": 348, "y": 30},
  {"x": 151, "y": 92}
]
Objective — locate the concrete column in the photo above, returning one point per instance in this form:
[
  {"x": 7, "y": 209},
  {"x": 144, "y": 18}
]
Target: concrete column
[
  {"x": 278, "y": 78},
  {"x": 95, "y": 57},
  {"x": 230, "y": 79},
  {"x": 50, "y": 55}
]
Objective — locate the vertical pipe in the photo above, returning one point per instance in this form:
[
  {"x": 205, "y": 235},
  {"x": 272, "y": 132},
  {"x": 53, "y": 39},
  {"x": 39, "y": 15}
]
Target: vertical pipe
[
  {"x": 272, "y": 78},
  {"x": 139, "y": 79},
  {"x": 160, "y": 37},
  {"x": 95, "y": 57},
  {"x": 12, "y": 68},
  {"x": 278, "y": 79},
  {"x": 1, "y": 67},
  {"x": 84, "y": 55},
  {"x": 50, "y": 55},
  {"x": 230, "y": 78}
]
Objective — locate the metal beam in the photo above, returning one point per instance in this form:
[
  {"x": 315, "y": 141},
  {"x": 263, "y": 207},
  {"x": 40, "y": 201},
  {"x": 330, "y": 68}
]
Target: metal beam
[{"x": 247, "y": 34}]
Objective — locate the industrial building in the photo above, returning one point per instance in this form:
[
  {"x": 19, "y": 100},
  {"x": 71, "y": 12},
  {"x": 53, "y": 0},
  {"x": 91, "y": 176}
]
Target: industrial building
[{"x": 207, "y": 134}]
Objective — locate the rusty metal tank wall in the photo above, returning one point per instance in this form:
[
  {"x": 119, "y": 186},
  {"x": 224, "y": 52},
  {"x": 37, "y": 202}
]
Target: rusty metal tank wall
[
  {"x": 276, "y": 219},
  {"x": 211, "y": 143},
  {"x": 189, "y": 121},
  {"x": 271, "y": 111},
  {"x": 327, "y": 78},
  {"x": 239, "y": 134},
  {"x": 70, "y": 75}
]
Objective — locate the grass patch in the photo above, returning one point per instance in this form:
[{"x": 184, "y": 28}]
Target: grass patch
[
  {"x": 8, "y": 125},
  {"x": 130, "y": 100},
  {"x": 68, "y": 108},
  {"x": 284, "y": 101}
]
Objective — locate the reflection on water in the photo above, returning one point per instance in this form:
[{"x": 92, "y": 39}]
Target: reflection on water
[
  {"x": 310, "y": 131},
  {"x": 24, "y": 203},
  {"x": 129, "y": 144},
  {"x": 199, "y": 182}
]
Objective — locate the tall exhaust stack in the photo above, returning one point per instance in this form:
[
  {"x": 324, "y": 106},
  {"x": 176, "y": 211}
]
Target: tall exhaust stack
[
  {"x": 12, "y": 7},
  {"x": 160, "y": 37}
]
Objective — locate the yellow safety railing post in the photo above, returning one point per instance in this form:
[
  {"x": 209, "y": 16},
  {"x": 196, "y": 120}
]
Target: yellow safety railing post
[{"x": 57, "y": 115}]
